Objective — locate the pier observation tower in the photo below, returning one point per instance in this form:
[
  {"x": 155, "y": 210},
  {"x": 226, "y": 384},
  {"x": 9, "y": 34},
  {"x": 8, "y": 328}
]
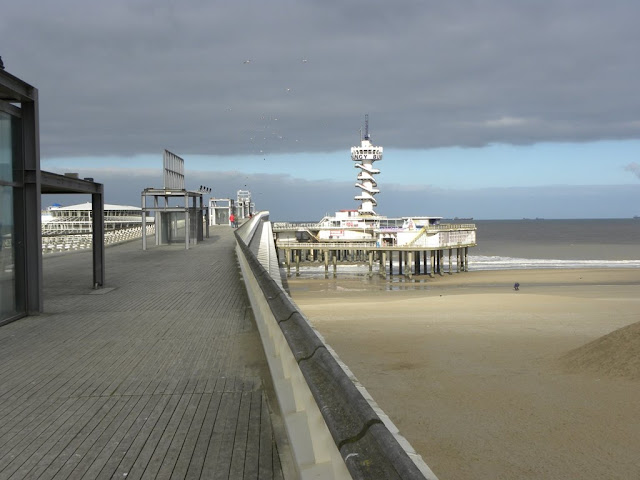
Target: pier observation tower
[{"x": 366, "y": 154}]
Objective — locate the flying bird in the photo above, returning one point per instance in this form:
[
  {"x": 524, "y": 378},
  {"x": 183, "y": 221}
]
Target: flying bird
[{"x": 247, "y": 61}]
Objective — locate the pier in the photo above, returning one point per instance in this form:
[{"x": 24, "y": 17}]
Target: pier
[
  {"x": 160, "y": 374},
  {"x": 418, "y": 244},
  {"x": 431, "y": 252},
  {"x": 186, "y": 364}
]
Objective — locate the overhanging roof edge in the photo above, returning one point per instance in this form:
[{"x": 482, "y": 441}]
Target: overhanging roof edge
[{"x": 55, "y": 183}]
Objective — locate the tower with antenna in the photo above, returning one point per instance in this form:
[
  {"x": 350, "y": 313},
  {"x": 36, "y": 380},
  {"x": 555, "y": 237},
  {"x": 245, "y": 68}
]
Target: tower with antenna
[{"x": 366, "y": 154}]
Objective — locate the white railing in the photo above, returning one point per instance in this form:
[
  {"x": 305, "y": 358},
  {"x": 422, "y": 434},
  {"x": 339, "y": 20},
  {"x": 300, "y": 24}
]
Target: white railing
[{"x": 66, "y": 243}]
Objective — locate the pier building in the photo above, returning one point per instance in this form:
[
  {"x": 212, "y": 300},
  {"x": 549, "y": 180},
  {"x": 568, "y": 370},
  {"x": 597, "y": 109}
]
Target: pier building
[
  {"x": 77, "y": 219},
  {"x": 419, "y": 244}
]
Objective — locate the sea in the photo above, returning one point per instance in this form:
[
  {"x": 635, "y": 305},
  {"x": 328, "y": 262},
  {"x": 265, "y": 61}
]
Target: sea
[{"x": 539, "y": 243}]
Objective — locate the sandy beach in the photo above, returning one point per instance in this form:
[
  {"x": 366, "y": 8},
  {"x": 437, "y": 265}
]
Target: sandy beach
[{"x": 489, "y": 382}]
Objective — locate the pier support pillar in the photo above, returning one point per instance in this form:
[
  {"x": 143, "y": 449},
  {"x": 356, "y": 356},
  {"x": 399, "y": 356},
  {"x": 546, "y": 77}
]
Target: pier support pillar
[
  {"x": 450, "y": 252},
  {"x": 400, "y": 259},
  {"x": 370, "y": 263},
  {"x": 297, "y": 263},
  {"x": 425, "y": 262},
  {"x": 326, "y": 264},
  {"x": 440, "y": 262},
  {"x": 383, "y": 264},
  {"x": 418, "y": 263},
  {"x": 409, "y": 266},
  {"x": 287, "y": 259},
  {"x": 432, "y": 262},
  {"x": 335, "y": 263},
  {"x": 391, "y": 262},
  {"x": 466, "y": 258}
]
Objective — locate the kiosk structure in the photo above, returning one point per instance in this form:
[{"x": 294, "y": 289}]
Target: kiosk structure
[
  {"x": 220, "y": 209},
  {"x": 178, "y": 212}
]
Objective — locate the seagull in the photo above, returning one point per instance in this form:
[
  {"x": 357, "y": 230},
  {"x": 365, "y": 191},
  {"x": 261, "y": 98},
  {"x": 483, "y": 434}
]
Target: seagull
[
  {"x": 247, "y": 61},
  {"x": 304, "y": 60}
]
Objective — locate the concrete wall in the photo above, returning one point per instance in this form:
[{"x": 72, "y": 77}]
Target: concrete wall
[{"x": 335, "y": 428}]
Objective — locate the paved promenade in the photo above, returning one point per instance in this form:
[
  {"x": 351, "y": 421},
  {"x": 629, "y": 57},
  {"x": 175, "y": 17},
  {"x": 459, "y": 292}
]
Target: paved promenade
[{"x": 159, "y": 375}]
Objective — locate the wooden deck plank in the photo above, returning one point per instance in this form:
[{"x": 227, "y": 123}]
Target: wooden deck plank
[
  {"x": 71, "y": 449},
  {"x": 202, "y": 444},
  {"x": 227, "y": 436},
  {"x": 186, "y": 452},
  {"x": 94, "y": 456},
  {"x": 253, "y": 437},
  {"x": 32, "y": 449},
  {"x": 153, "y": 436},
  {"x": 179, "y": 436},
  {"x": 158, "y": 457},
  {"x": 68, "y": 442},
  {"x": 150, "y": 379},
  {"x": 266, "y": 451},
  {"x": 122, "y": 443},
  {"x": 239, "y": 452}
]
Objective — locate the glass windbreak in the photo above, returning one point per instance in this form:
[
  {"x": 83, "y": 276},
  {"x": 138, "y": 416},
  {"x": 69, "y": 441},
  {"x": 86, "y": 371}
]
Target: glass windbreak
[
  {"x": 6, "y": 151},
  {"x": 8, "y": 306}
]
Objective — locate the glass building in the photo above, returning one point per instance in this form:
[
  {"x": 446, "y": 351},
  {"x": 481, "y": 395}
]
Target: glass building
[
  {"x": 19, "y": 158},
  {"x": 21, "y": 184}
]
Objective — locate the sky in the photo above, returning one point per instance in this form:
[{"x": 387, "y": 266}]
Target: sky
[{"x": 491, "y": 110}]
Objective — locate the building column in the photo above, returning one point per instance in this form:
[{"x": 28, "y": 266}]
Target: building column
[
  {"x": 144, "y": 221},
  {"x": 97, "y": 221}
]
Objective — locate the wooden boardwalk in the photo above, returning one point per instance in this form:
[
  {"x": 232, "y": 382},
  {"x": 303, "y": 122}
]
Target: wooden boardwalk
[{"x": 159, "y": 375}]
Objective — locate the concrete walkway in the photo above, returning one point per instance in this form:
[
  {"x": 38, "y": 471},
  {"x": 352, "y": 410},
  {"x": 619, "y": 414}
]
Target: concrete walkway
[{"x": 159, "y": 375}]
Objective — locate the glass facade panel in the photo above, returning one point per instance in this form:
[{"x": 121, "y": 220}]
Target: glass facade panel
[
  {"x": 6, "y": 151},
  {"x": 9, "y": 132},
  {"x": 7, "y": 265}
]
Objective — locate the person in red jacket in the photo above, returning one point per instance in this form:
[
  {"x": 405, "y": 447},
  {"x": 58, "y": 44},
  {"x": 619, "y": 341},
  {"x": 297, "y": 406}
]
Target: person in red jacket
[{"x": 232, "y": 220}]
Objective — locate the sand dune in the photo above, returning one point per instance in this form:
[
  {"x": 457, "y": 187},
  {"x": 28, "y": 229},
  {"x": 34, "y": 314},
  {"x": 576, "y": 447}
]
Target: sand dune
[
  {"x": 486, "y": 382},
  {"x": 616, "y": 354}
]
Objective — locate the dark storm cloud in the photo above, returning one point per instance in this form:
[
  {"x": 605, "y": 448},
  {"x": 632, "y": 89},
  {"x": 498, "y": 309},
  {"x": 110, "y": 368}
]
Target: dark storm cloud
[
  {"x": 126, "y": 77},
  {"x": 293, "y": 199}
]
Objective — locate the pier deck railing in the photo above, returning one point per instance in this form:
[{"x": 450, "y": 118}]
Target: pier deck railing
[
  {"x": 285, "y": 226},
  {"x": 335, "y": 428},
  {"x": 82, "y": 241}
]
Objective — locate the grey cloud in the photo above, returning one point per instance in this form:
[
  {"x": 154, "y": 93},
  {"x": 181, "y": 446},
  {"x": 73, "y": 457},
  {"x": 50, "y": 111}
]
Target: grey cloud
[
  {"x": 127, "y": 77},
  {"x": 290, "y": 198},
  {"x": 634, "y": 168}
]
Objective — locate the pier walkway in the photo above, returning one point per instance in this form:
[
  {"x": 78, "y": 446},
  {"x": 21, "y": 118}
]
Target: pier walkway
[{"x": 161, "y": 374}]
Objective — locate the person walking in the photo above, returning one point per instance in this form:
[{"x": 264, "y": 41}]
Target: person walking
[{"x": 232, "y": 220}]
